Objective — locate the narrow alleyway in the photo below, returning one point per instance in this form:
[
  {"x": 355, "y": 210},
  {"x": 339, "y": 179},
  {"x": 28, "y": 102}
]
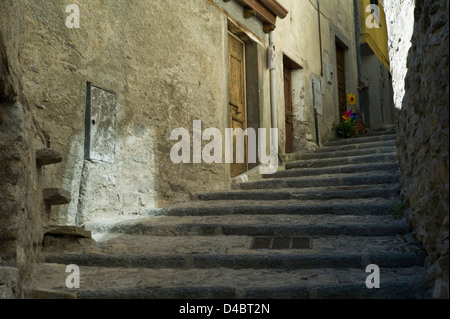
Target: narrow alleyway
[{"x": 307, "y": 232}]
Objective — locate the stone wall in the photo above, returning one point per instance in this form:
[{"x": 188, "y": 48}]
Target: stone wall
[
  {"x": 23, "y": 214},
  {"x": 166, "y": 65},
  {"x": 303, "y": 47},
  {"x": 134, "y": 52},
  {"x": 423, "y": 129}
]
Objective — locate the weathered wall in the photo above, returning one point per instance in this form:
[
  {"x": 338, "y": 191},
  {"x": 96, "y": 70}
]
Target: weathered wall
[
  {"x": 166, "y": 64},
  {"x": 379, "y": 109},
  {"x": 423, "y": 131},
  {"x": 400, "y": 22},
  {"x": 22, "y": 210},
  {"x": 297, "y": 37},
  {"x": 375, "y": 36},
  {"x": 377, "y": 91}
]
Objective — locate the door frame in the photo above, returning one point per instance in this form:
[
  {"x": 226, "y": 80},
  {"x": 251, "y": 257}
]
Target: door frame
[
  {"x": 293, "y": 65},
  {"x": 289, "y": 144},
  {"x": 343, "y": 48},
  {"x": 229, "y": 115},
  {"x": 245, "y": 70}
]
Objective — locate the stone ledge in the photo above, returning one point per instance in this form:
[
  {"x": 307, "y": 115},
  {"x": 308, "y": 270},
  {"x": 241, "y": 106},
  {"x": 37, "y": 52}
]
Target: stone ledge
[
  {"x": 240, "y": 261},
  {"x": 56, "y": 196},
  {"x": 48, "y": 156},
  {"x": 68, "y": 231}
]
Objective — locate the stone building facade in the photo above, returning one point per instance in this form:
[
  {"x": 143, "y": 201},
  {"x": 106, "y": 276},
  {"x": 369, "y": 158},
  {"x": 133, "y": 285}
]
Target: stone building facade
[
  {"x": 106, "y": 94},
  {"x": 378, "y": 109},
  {"x": 418, "y": 35},
  {"x": 133, "y": 53},
  {"x": 329, "y": 26}
]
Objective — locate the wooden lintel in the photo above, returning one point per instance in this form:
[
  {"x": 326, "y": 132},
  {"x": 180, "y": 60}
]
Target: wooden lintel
[
  {"x": 263, "y": 14},
  {"x": 268, "y": 27},
  {"x": 248, "y": 13},
  {"x": 266, "y": 11},
  {"x": 274, "y": 6}
]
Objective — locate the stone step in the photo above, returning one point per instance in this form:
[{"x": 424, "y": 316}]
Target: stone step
[
  {"x": 351, "y": 160},
  {"x": 49, "y": 294},
  {"x": 343, "y": 169},
  {"x": 342, "y": 153},
  {"x": 372, "y": 206},
  {"x": 389, "y": 129},
  {"x": 372, "y": 178},
  {"x": 314, "y": 193},
  {"x": 224, "y": 283},
  {"x": 241, "y": 261},
  {"x": 386, "y": 136},
  {"x": 257, "y": 225},
  {"x": 360, "y": 146},
  {"x": 342, "y": 242}
]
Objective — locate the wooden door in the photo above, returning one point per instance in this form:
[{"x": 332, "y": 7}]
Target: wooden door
[
  {"x": 289, "y": 123},
  {"x": 237, "y": 98},
  {"x": 340, "y": 62}
]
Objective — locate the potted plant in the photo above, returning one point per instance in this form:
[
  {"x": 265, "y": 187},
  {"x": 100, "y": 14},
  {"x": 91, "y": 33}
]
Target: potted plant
[
  {"x": 346, "y": 129},
  {"x": 350, "y": 126}
]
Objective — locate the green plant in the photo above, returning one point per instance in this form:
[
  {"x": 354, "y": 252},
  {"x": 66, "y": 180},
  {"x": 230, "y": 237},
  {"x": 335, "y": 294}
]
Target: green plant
[
  {"x": 397, "y": 210},
  {"x": 346, "y": 129}
]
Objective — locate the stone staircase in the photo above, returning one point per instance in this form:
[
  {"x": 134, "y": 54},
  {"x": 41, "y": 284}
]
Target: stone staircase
[{"x": 307, "y": 232}]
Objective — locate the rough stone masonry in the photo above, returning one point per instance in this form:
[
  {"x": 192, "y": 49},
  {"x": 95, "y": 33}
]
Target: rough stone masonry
[
  {"x": 423, "y": 138},
  {"x": 22, "y": 208}
]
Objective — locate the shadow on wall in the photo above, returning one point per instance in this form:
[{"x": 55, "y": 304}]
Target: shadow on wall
[
  {"x": 423, "y": 140},
  {"x": 23, "y": 213}
]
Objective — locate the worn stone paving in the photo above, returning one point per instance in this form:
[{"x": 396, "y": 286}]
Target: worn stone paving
[
  {"x": 96, "y": 278},
  {"x": 124, "y": 244},
  {"x": 202, "y": 249}
]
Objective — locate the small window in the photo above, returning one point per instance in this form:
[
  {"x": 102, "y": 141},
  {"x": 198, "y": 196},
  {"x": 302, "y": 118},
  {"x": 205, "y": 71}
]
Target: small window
[{"x": 100, "y": 125}]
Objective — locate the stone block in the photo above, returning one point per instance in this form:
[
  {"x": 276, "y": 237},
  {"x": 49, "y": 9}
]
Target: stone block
[
  {"x": 68, "y": 231},
  {"x": 56, "y": 196},
  {"x": 48, "y": 156},
  {"x": 9, "y": 277}
]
